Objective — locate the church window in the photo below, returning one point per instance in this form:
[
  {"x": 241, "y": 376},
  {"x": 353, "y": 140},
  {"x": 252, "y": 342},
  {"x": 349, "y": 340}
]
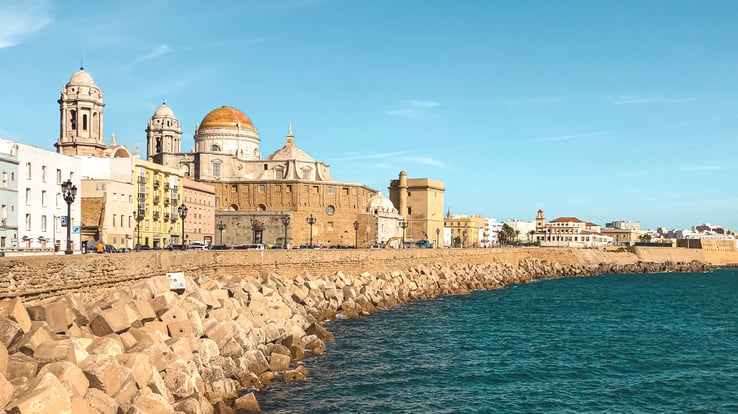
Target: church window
[
  {"x": 216, "y": 169},
  {"x": 169, "y": 123},
  {"x": 265, "y": 167},
  {"x": 330, "y": 210},
  {"x": 288, "y": 188},
  {"x": 316, "y": 189},
  {"x": 73, "y": 119},
  {"x": 214, "y": 148},
  {"x": 84, "y": 122},
  {"x": 409, "y": 211},
  {"x": 329, "y": 225},
  {"x": 330, "y": 190},
  {"x": 261, "y": 188},
  {"x": 217, "y": 202},
  {"x": 234, "y": 207},
  {"x": 262, "y": 207},
  {"x": 345, "y": 191}
]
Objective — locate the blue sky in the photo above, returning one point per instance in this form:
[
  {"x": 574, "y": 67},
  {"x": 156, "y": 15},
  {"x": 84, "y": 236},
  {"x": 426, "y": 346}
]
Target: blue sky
[{"x": 604, "y": 110}]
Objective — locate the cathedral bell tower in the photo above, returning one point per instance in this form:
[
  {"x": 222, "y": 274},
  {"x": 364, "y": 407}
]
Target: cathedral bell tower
[
  {"x": 163, "y": 135},
  {"x": 81, "y": 117}
]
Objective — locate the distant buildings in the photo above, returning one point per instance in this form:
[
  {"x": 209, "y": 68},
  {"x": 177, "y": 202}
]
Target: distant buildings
[{"x": 568, "y": 232}]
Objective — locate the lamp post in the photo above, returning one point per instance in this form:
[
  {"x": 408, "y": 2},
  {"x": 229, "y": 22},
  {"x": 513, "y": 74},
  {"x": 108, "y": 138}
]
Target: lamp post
[
  {"x": 311, "y": 220},
  {"x": 221, "y": 226},
  {"x": 403, "y": 225},
  {"x": 138, "y": 216},
  {"x": 69, "y": 191},
  {"x": 182, "y": 209},
  {"x": 438, "y": 232},
  {"x": 286, "y": 222},
  {"x": 356, "y": 234}
]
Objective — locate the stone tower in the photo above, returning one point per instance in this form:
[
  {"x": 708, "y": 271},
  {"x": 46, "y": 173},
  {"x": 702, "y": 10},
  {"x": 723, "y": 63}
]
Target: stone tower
[
  {"x": 163, "y": 134},
  {"x": 540, "y": 221},
  {"x": 81, "y": 117}
]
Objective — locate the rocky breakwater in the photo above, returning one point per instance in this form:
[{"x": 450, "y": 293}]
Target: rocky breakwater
[{"x": 207, "y": 345}]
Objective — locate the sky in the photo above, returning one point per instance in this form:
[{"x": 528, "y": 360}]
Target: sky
[{"x": 602, "y": 110}]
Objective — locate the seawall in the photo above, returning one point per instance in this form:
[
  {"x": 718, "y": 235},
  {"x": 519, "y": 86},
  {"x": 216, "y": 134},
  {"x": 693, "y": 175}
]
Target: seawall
[{"x": 108, "y": 333}]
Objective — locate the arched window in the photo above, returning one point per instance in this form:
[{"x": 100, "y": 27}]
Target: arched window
[
  {"x": 262, "y": 207},
  {"x": 73, "y": 119},
  {"x": 215, "y": 165},
  {"x": 215, "y": 148},
  {"x": 234, "y": 207},
  {"x": 307, "y": 173},
  {"x": 84, "y": 122}
]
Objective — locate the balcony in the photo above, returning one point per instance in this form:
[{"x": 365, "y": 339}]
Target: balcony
[
  {"x": 157, "y": 182},
  {"x": 166, "y": 216},
  {"x": 166, "y": 185},
  {"x": 156, "y": 215},
  {"x": 157, "y": 198},
  {"x": 142, "y": 179},
  {"x": 167, "y": 201}
]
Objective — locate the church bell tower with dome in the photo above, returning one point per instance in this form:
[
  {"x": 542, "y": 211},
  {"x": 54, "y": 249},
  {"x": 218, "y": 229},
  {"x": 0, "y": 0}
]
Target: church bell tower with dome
[
  {"x": 163, "y": 134},
  {"x": 81, "y": 117}
]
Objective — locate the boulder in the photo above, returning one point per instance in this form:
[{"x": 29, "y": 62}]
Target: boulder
[
  {"x": 10, "y": 332},
  {"x": 101, "y": 402},
  {"x": 246, "y": 404},
  {"x": 14, "y": 310},
  {"x": 69, "y": 374},
  {"x": 105, "y": 373},
  {"x": 113, "y": 320},
  {"x": 6, "y": 391},
  {"x": 53, "y": 351}
]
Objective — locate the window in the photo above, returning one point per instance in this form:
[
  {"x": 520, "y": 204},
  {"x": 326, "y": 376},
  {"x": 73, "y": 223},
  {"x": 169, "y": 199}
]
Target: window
[
  {"x": 43, "y": 223},
  {"x": 43, "y": 198},
  {"x": 409, "y": 211},
  {"x": 288, "y": 189},
  {"x": 215, "y": 165},
  {"x": 28, "y": 222},
  {"x": 28, "y": 196},
  {"x": 214, "y": 148},
  {"x": 58, "y": 176},
  {"x": 330, "y": 210},
  {"x": 115, "y": 196},
  {"x": 28, "y": 170},
  {"x": 43, "y": 173},
  {"x": 84, "y": 122},
  {"x": 329, "y": 225},
  {"x": 73, "y": 118},
  {"x": 115, "y": 216},
  {"x": 261, "y": 188},
  {"x": 330, "y": 190},
  {"x": 5, "y": 179}
]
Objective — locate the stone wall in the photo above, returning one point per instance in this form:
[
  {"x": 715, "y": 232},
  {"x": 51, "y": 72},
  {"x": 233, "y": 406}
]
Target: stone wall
[{"x": 45, "y": 276}]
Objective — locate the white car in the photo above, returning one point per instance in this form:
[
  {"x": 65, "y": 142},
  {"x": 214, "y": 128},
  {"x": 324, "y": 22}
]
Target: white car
[{"x": 197, "y": 246}]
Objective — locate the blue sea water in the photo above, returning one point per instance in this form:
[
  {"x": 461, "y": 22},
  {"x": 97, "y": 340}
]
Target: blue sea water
[{"x": 654, "y": 343}]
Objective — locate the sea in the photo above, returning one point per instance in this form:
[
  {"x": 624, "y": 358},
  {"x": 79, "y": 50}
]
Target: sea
[{"x": 616, "y": 343}]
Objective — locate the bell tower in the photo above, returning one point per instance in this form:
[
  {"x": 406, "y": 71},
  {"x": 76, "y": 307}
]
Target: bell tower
[
  {"x": 81, "y": 117},
  {"x": 540, "y": 221},
  {"x": 163, "y": 135}
]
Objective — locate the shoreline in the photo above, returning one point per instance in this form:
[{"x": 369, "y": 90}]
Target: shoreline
[{"x": 223, "y": 333}]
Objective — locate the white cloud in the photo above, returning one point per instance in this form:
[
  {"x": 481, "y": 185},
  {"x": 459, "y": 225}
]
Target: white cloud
[
  {"x": 569, "y": 137},
  {"x": 646, "y": 99},
  {"x": 399, "y": 156},
  {"x": 372, "y": 156},
  {"x": 424, "y": 160},
  {"x": 158, "y": 50},
  {"x": 20, "y": 19},
  {"x": 413, "y": 108}
]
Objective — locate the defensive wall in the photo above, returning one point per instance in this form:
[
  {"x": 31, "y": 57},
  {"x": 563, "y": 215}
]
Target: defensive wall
[{"x": 37, "y": 277}]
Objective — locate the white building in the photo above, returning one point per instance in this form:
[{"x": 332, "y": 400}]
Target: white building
[
  {"x": 493, "y": 229},
  {"x": 570, "y": 232},
  {"x": 42, "y": 209},
  {"x": 524, "y": 229}
]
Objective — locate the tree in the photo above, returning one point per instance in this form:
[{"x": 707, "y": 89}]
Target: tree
[
  {"x": 645, "y": 238},
  {"x": 507, "y": 235}
]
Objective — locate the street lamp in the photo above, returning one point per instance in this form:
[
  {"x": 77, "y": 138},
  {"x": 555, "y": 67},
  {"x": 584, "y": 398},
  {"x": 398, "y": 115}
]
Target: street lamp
[
  {"x": 182, "y": 209},
  {"x": 403, "y": 225},
  {"x": 438, "y": 232},
  {"x": 220, "y": 226},
  {"x": 138, "y": 216},
  {"x": 356, "y": 234},
  {"x": 311, "y": 220},
  {"x": 286, "y": 222},
  {"x": 69, "y": 191}
]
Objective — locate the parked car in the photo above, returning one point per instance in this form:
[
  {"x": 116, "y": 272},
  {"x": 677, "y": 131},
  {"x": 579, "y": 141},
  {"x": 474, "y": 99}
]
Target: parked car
[
  {"x": 257, "y": 246},
  {"x": 221, "y": 247},
  {"x": 109, "y": 248},
  {"x": 197, "y": 245}
]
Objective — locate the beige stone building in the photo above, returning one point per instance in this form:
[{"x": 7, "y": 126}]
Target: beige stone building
[
  {"x": 420, "y": 202},
  {"x": 253, "y": 195},
  {"x": 200, "y": 201}
]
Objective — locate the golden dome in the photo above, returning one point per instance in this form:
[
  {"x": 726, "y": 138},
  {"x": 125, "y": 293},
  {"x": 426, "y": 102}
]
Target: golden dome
[{"x": 227, "y": 116}]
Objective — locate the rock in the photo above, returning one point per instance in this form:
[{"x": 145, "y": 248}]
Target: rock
[
  {"x": 45, "y": 400},
  {"x": 14, "y": 310},
  {"x": 10, "y": 332},
  {"x": 105, "y": 373},
  {"x": 21, "y": 365},
  {"x": 6, "y": 391},
  {"x": 53, "y": 351},
  {"x": 69, "y": 374},
  {"x": 114, "y": 320},
  {"x": 101, "y": 402},
  {"x": 3, "y": 361},
  {"x": 247, "y": 404},
  {"x": 279, "y": 362}
]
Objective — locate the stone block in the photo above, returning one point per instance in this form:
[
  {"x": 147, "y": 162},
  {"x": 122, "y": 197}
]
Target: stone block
[
  {"x": 14, "y": 310},
  {"x": 113, "y": 320},
  {"x": 101, "y": 402},
  {"x": 247, "y": 404},
  {"x": 81, "y": 406},
  {"x": 180, "y": 329},
  {"x": 139, "y": 365},
  {"x": 58, "y": 316},
  {"x": 222, "y": 314},
  {"x": 54, "y": 351},
  {"x": 6, "y": 391},
  {"x": 126, "y": 394},
  {"x": 105, "y": 373},
  {"x": 319, "y": 331},
  {"x": 21, "y": 365},
  {"x": 175, "y": 314},
  {"x": 279, "y": 362},
  {"x": 147, "y": 402},
  {"x": 143, "y": 311},
  {"x": 38, "y": 334},
  {"x": 107, "y": 345},
  {"x": 78, "y": 309},
  {"x": 255, "y": 361},
  {"x": 221, "y": 390},
  {"x": 69, "y": 374},
  {"x": 220, "y": 333},
  {"x": 179, "y": 379},
  {"x": 157, "y": 385},
  {"x": 157, "y": 329},
  {"x": 55, "y": 399},
  {"x": 163, "y": 302},
  {"x": 10, "y": 332},
  {"x": 3, "y": 361}
]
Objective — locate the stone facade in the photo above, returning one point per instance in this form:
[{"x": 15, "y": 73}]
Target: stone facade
[
  {"x": 81, "y": 117},
  {"x": 420, "y": 201}
]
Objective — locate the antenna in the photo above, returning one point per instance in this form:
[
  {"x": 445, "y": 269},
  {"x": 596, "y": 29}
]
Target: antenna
[{"x": 82, "y": 60}]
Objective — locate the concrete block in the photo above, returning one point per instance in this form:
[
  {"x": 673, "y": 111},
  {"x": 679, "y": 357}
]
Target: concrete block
[
  {"x": 56, "y": 399},
  {"x": 247, "y": 404},
  {"x": 147, "y": 402},
  {"x": 69, "y": 374},
  {"x": 113, "y": 320},
  {"x": 38, "y": 334},
  {"x": 279, "y": 362},
  {"x": 58, "y": 316},
  {"x": 81, "y": 406},
  {"x": 107, "y": 345},
  {"x": 21, "y": 365},
  {"x": 10, "y": 332},
  {"x": 53, "y": 351},
  {"x": 78, "y": 309},
  {"x": 6, "y": 391},
  {"x": 101, "y": 402},
  {"x": 144, "y": 310},
  {"x": 157, "y": 329},
  {"x": 105, "y": 373},
  {"x": 3, "y": 361},
  {"x": 176, "y": 314},
  {"x": 14, "y": 310},
  {"x": 163, "y": 302}
]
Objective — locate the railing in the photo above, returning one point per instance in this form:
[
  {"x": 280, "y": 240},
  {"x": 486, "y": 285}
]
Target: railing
[
  {"x": 166, "y": 216},
  {"x": 156, "y": 199},
  {"x": 156, "y": 215},
  {"x": 157, "y": 183}
]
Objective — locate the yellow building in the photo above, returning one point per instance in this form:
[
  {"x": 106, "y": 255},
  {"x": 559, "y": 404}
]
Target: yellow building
[
  {"x": 420, "y": 202},
  {"x": 464, "y": 230},
  {"x": 158, "y": 197}
]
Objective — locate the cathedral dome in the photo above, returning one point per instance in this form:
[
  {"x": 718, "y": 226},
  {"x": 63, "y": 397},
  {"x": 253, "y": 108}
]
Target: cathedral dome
[
  {"x": 381, "y": 204},
  {"x": 81, "y": 78},
  {"x": 164, "y": 111},
  {"x": 227, "y": 117},
  {"x": 290, "y": 151}
]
